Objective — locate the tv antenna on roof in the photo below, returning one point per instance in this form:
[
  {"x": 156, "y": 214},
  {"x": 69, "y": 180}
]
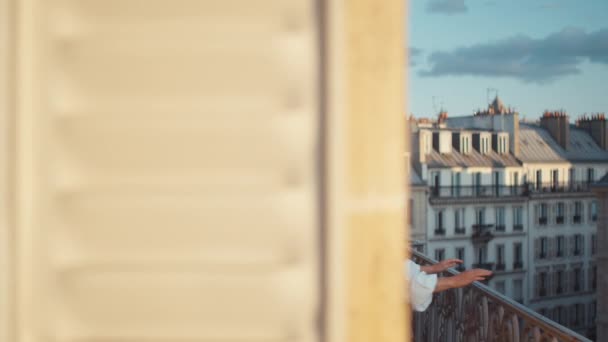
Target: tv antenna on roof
[{"x": 488, "y": 90}]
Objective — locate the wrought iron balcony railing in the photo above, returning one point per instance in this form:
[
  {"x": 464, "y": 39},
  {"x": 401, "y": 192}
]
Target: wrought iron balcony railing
[
  {"x": 477, "y": 191},
  {"x": 478, "y": 313},
  {"x": 482, "y": 233},
  {"x": 558, "y": 187}
]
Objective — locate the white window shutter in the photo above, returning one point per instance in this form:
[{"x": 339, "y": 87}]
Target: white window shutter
[{"x": 167, "y": 170}]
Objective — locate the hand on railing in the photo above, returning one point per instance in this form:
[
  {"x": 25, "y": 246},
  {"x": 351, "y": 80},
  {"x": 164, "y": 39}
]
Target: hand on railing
[
  {"x": 461, "y": 280},
  {"x": 440, "y": 266}
]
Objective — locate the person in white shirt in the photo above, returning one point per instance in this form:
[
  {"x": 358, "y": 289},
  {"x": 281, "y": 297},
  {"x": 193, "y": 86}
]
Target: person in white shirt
[{"x": 424, "y": 281}]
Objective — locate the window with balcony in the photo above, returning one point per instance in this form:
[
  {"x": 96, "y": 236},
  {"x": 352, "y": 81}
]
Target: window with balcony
[
  {"x": 439, "y": 226},
  {"x": 456, "y": 178},
  {"x": 517, "y": 256},
  {"x": 594, "y": 277},
  {"x": 436, "y": 183},
  {"x": 542, "y": 218},
  {"x": 593, "y": 244},
  {"x": 439, "y": 254},
  {"x": 561, "y": 249},
  {"x": 500, "y": 219},
  {"x": 500, "y": 257},
  {"x": 572, "y": 177},
  {"x": 481, "y": 256},
  {"x": 477, "y": 184},
  {"x": 515, "y": 184},
  {"x": 518, "y": 220},
  {"x": 593, "y": 211},
  {"x": 554, "y": 180},
  {"x": 539, "y": 179},
  {"x": 578, "y": 212},
  {"x": 559, "y": 217}
]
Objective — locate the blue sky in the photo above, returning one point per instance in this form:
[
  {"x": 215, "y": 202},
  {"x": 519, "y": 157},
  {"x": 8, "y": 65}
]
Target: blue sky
[{"x": 538, "y": 54}]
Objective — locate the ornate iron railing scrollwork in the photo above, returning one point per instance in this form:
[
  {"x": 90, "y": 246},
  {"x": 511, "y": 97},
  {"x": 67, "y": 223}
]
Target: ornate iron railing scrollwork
[{"x": 477, "y": 313}]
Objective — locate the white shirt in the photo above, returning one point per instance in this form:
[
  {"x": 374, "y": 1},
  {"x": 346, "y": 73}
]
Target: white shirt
[{"x": 422, "y": 286}]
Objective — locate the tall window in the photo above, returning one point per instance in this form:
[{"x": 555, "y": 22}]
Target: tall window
[
  {"x": 577, "y": 277},
  {"x": 578, "y": 244},
  {"x": 518, "y": 221},
  {"x": 439, "y": 228},
  {"x": 590, "y": 175},
  {"x": 500, "y": 257},
  {"x": 593, "y": 211},
  {"x": 572, "y": 177},
  {"x": 439, "y": 254},
  {"x": 480, "y": 217},
  {"x": 559, "y": 282},
  {"x": 456, "y": 184},
  {"x": 593, "y": 244},
  {"x": 460, "y": 255},
  {"x": 481, "y": 255},
  {"x": 477, "y": 183},
  {"x": 559, "y": 218},
  {"x": 543, "y": 248},
  {"x": 543, "y": 214},
  {"x": 578, "y": 212},
  {"x": 459, "y": 225},
  {"x": 555, "y": 179},
  {"x": 542, "y": 284},
  {"x": 560, "y": 246},
  {"x": 539, "y": 179},
  {"x": 500, "y": 219},
  {"x": 515, "y": 184},
  {"x": 517, "y": 256}
]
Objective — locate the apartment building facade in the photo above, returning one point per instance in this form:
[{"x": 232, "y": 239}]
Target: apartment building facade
[{"x": 515, "y": 198}]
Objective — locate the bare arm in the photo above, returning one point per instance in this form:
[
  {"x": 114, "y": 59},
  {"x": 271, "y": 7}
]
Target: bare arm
[
  {"x": 461, "y": 280},
  {"x": 440, "y": 266}
]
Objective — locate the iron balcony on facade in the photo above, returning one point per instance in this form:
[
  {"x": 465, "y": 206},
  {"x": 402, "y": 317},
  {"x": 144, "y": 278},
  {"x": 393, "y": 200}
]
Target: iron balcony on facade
[
  {"x": 518, "y": 265},
  {"x": 476, "y": 191},
  {"x": 440, "y": 231},
  {"x": 559, "y": 219},
  {"x": 460, "y": 230},
  {"x": 557, "y": 187},
  {"x": 576, "y": 218},
  {"x": 478, "y": 313},
  {"x": 542, "y": 221},
  {"x": 500, "y": 266},
  {"x": 518, "y": 227},
  {"x": 482, "y": 233}
]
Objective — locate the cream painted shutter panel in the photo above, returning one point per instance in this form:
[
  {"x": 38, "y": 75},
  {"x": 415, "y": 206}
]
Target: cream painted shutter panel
[{"x": 166, "y": 177}]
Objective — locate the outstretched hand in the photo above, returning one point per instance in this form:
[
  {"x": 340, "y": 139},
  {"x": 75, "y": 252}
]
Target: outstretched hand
[
  {"x": 461, "y": 280},
  {"x": 441, "y": 266}
]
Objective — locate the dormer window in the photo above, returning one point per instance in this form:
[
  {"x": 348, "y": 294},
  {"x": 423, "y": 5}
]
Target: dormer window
[
  {"x": 465, "y": 144},
  {"x": 484, "y": 147},
  {"x": 502, "y": 144}
]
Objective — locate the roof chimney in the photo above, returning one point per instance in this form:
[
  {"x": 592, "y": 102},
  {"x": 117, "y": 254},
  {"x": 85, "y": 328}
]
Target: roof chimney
[
  {"x": 558, "y": 125},
  {"x": 596, "y": 126}
]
